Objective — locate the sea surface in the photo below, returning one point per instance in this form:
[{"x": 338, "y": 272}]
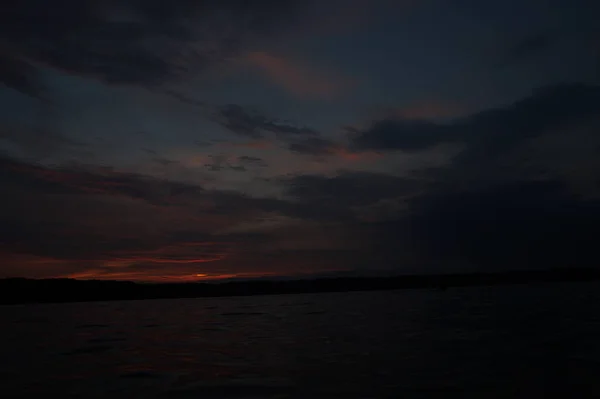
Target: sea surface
[{"x": 527, "y": 341}]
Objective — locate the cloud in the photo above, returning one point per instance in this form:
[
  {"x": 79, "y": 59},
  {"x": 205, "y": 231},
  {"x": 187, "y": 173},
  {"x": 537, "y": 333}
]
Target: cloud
[
  {"x": 73, "y": 219},
  {"x": 81, "y": 179},
  {"x": 494, "y": 130},
  {"x": 298, "y": 139},
  {"x": 185, "y": 99},
  {"x": 484, "y": 208},
  {"x": 238, "y": 120},
  {"x": 426, "y": 110},
  {"x": 19, "y": 75},
  {"x": 348, "y": 188},
  {"x": 529, "y": 47},
  {"x": 222, "y": 162},
  {"x": 164, "y": 161},
  {"x": 258, "y": 144},
  {"x": 313, "y": 146},
  {"x": 299, "y": 79},
  {"x": 522, "y": 193},
  {"x": 250, "y": 123},
  {"x": 135, "y": 42},
  {"x": 493, "y": 134},
  {"x": 160, "y": 160},
  {"x": 252, "y": 161},
  {"x": 518, "y": 224},
  {"x": 41, "y": 143},
  {"x": 405, "y": 135},
  {"x": 91, "y": 222},
  {"x": 533, "y": 224}
]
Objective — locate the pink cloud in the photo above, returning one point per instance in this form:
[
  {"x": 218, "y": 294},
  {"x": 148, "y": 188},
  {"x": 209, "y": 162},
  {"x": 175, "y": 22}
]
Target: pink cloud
[{"x": 297, "y": 78}]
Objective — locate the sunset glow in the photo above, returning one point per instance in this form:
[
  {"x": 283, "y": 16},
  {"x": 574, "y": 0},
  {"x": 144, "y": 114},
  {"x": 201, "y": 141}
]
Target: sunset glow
[{"x": 237, "y": 139}]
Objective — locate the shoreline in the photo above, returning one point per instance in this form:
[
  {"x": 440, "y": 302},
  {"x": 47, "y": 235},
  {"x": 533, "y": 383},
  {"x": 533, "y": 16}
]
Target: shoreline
[{"x": 15, "y": 291}]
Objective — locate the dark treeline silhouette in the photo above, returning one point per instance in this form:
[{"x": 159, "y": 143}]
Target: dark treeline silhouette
[{"x": 23, "y": 290}]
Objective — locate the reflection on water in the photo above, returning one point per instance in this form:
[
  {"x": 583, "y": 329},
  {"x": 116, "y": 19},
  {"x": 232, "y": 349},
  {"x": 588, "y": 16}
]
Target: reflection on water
[{"x": 504, "y": 342}]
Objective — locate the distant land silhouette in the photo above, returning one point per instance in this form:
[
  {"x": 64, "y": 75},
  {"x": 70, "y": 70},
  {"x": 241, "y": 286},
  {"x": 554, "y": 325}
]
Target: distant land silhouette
[{"x": 23, "y": 290}]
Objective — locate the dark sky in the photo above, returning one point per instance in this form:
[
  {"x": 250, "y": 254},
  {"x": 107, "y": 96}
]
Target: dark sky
[{"x": 181, "y": 140}]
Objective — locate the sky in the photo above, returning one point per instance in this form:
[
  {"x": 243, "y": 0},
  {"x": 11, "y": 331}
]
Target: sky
[{"x": 190, "y": 140}]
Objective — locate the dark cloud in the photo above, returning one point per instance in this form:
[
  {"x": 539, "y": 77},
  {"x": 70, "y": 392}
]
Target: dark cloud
[
  {"x": 298, "y": 139},
  {"x": 131, "y": 42},
  {"x": 348, "y": 189},
  {"x": 319, "y": 198},
  {"x": 164, "y": 161},
  {"x": 80, "y": 184},
  {"x": 405, "y": 135},
  {"x": 217, "y": 168},
  {"x": 446, "y": 215},
  {"x": 522, "y": 224},
  {"x": 549, "y": 108},
  {"x": 201, "y": 213},
  {"x": 67, "y": 241},
  {"x": 222, "y": 162},
  {"x": 505, "y": 202},
  {"x": 79, "y": 179},
  {"x": 203, "y": 144},
  {"x": 517, "y": 225},
  {"x": 495, "y": 130},
  {"x": 40, "y": 143},
  {"x": 19, "y": 75},
  {"x": 488, "y": 209},
  {"x": 83, "y": 217},
  {"x": 540, "y": 137},
  {"x": 313, "y": 146},
  {"x": 529, "y": 47},
  {"x": 238, "y": 120},
  {"x": 158, "y": 159},
  {"x": 185, "y": 98},
  {"x": 250, "y": 123},
  {"x": 251, "y": 161}
]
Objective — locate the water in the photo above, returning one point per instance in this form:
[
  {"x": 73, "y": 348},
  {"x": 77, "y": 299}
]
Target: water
[{"x": 498, "y": 342}]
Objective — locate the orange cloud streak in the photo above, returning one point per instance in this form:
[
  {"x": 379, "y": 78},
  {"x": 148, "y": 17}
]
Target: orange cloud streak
[
  {"x": 164, "y": 276},
  {"x": 142, "y": 259},
  {"x": 180, "y": 253}
]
